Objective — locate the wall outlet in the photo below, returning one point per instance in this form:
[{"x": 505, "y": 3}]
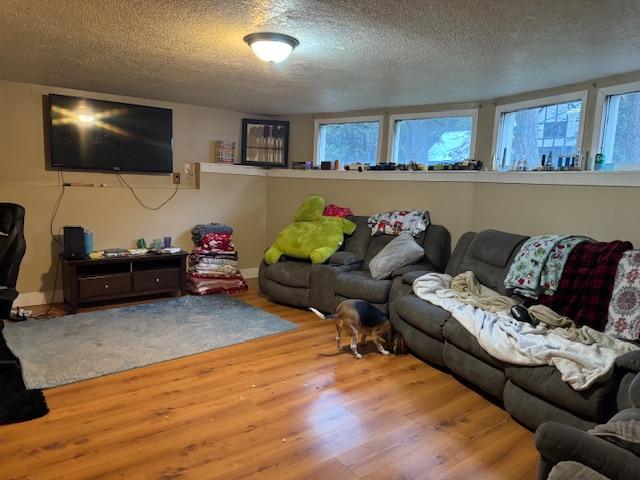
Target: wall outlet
[
  {"x": 176, "y": 178},
  {"x": 187, "y": 169}
]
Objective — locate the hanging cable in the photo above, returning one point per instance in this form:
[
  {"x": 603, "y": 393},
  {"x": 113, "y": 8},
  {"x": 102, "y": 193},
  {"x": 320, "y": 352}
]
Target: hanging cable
[
  {"x": 56, "y": 206},
  {"x": 123, "y": 182},
  {"x": 57, "y": 260}
]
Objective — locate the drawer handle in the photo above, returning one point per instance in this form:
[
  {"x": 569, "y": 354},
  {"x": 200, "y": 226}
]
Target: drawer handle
[
  {"x": 106, "y": 286},
  {"x": 157, "y": 280}
]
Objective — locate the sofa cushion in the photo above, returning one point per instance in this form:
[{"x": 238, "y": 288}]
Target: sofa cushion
[
  {"x": 290, "y": 273},
  {"x": 419, "y": 343},
  {"x": 359, "y": 284},
  {"x": 459, "y": 336},
  {"x": 596, "y": 403},
  {"x": 285, "y": 294},
  {"x": 399, "y": 252},
  {"x": 422, "y": 315},
  {"x": 358, "y": 241},
  {"x": 488, "y": 255},
  {"x": 344, "y": 258},
  {"x": 532, "y": 411},
  {"x": 494, "y": 248},
  {"x": 487, "y": 377}
]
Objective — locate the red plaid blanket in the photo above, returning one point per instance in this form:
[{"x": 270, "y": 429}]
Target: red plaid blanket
[{"x": 587, "y": 282}]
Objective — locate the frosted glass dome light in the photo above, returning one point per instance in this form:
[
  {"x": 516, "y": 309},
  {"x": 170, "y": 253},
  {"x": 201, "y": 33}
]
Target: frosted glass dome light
[{"x": 271, "y": 47}]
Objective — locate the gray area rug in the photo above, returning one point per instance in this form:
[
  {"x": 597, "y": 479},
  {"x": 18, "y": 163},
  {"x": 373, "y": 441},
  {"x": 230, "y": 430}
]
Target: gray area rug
[{"x": 68, "y": 349}]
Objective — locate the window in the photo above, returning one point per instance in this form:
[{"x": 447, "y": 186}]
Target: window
[
  {"x": 432, "y": 138},
  {"x": 618, "y": 124},
  {"x": 350, "y": 140},
  {"x": 527, "y": 130}
]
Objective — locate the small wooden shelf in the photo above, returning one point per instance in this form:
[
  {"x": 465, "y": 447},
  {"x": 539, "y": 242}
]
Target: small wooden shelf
[{"x": 116, "y": 278}]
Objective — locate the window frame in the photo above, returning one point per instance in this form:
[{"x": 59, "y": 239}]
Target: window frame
[
  {"x": 338, "y": 120},
  {"x": 469, "y": 112},
  {"x": 599, "y": 117},
  {"x": 578, "y": 95}
]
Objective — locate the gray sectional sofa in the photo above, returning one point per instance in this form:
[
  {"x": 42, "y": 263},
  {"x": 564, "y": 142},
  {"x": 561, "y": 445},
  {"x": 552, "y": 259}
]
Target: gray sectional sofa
[
  {"x": 532, "y": 395},
  {"x": 559, "y": 443},
  {"x": 346, "y": 274}
]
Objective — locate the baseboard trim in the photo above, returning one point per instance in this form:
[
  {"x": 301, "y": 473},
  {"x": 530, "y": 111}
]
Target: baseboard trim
[
  {"x": 249, "y": 272},
  {"x": 28, "y": 299}
]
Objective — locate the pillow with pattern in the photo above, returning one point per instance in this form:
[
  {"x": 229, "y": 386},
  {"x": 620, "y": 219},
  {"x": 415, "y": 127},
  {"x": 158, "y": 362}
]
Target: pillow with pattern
[
  {"x": 332, "y": 210},
  {"x": 394, "y": 222},
  {"x": 623, "y": 320}
]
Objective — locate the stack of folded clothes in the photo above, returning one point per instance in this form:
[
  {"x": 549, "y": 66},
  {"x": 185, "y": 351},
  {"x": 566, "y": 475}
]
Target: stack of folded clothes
[{"x": 213, "y": 263}]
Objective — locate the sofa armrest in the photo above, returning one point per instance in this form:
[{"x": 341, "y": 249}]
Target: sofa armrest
[
  {"x": 345, "y": 258},
  {"x": 557, "y": 442},
  {"x": 322, "y": 282},
  {"x": 409, "y": 278},
  {"x": 415, "y": 267},
  {"x": 629, "y": 361}
]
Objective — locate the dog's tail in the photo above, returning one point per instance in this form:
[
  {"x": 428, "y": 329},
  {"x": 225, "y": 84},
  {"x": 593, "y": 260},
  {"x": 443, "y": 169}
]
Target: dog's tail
[{"x": 318, "y": 313}]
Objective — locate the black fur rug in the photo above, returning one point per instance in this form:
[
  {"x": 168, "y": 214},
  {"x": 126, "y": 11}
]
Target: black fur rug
[{"x": 17, "y": 404}]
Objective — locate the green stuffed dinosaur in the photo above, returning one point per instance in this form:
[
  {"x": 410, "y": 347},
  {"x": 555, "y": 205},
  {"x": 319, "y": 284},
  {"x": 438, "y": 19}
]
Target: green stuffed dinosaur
[{"x": 312, "y": 235}]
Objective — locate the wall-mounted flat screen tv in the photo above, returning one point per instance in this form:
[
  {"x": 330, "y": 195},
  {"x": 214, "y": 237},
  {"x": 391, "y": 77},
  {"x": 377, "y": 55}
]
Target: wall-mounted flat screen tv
[{"x": 87, "y": 134}]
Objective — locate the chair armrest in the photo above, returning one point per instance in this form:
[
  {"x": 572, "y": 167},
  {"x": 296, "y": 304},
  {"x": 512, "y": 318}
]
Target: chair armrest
[
  {"x": 345, "y": 258},
  {"x": 557, "y": 442}
]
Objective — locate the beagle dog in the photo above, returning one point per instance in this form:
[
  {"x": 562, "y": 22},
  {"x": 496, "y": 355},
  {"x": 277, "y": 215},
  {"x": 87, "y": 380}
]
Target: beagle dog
[{"x": 358, "y": 318}]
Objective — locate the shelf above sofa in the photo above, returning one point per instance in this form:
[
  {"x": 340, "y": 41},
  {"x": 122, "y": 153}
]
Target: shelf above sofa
[{"x": 581, "y": 178}]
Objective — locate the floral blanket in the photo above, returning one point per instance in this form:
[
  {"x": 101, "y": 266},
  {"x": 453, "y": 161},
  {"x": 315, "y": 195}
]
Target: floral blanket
[
  {"x": 395, "y": 222},
  {"x": 539, "y": 264},
  {"x": 624, "y": 308}
]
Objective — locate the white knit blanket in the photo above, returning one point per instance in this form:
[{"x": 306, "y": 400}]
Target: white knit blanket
[{"x": 582, "y": 355}]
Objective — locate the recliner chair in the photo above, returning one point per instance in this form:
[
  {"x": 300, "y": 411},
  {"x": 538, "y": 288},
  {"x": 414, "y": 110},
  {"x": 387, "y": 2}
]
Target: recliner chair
[{"x": 12, "y": 249}]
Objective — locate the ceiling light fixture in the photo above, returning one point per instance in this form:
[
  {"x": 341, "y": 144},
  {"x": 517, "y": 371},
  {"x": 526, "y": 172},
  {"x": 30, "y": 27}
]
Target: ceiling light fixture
[{"x": 271, "y": 47}]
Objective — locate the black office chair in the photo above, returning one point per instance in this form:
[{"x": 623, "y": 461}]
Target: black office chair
[{"x": 12, "y": 249}]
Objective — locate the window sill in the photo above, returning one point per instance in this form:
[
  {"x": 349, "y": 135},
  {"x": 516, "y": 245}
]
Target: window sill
[{"x": 582, "y": 178}]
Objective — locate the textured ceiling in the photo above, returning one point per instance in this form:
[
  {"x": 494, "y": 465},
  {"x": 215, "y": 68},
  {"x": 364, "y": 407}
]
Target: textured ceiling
[{"x": 352, "y": 54}]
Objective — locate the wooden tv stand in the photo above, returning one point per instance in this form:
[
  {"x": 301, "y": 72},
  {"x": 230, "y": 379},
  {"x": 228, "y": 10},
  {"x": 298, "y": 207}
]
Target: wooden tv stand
[{"x": 116, "y": 278}]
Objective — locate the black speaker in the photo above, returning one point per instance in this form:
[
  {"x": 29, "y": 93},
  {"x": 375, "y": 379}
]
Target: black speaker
[{"x": 74, "y": 243}]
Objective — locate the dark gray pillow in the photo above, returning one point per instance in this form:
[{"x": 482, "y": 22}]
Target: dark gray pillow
[{"x": 399, "y": 252}]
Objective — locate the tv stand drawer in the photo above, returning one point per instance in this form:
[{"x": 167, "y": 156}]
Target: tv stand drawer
[
  {"x": 104, "y": 285},
  {"x": 161, "y": 279}
]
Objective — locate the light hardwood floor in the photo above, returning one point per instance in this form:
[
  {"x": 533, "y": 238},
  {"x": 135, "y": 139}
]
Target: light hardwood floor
[{"x": 272, "y": 408}]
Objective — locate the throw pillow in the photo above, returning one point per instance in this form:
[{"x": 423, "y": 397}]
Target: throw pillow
[
  {"x": 623, "y": 320},
  {"x": 332, "y": 210},
  {"x": 395, "y": 222},
  {"x": 399, "y": 252}
]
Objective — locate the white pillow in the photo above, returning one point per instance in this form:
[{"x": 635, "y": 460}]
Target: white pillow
[{"x": 402, "y": 250}]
